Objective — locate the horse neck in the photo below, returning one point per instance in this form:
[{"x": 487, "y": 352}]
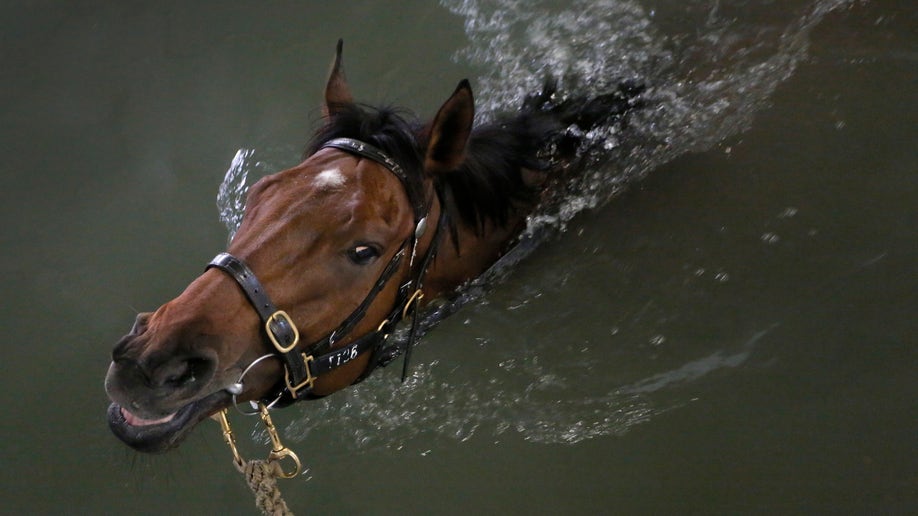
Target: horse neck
[{"x": 477, "y": 250}]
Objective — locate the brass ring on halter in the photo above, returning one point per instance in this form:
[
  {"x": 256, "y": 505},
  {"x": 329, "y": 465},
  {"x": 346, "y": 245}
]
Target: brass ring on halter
[{"x": 415, "y": 298}]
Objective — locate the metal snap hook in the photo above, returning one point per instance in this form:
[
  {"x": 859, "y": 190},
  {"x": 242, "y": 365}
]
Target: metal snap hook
[
  {"x": 228, "y": 437},
  {"x": 279, "y": 452},
  {"x": 279, "y": 455}
]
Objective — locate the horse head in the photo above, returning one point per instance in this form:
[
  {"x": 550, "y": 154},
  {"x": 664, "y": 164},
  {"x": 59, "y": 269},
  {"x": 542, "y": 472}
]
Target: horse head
[{"x": 320, "y": 238}]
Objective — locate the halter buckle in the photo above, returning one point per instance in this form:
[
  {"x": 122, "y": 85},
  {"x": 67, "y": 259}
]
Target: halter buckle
[
  {"x": 282, "y": 315},
  {"x": 308, "y": 382}
]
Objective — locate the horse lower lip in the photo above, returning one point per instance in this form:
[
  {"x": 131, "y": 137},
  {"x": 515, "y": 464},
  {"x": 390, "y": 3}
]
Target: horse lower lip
[
  {"x": 133, "y": 420},
  {"x": 162, "y": 434}
]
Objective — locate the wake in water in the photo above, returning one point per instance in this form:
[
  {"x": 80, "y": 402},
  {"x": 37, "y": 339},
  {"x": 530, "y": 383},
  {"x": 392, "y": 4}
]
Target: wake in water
[{"x": 707, "y": 69}]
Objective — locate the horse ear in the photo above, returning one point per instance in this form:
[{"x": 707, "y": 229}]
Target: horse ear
[
  {"x": 337, "y": 93},
  {"x": 450, "y": 130}
]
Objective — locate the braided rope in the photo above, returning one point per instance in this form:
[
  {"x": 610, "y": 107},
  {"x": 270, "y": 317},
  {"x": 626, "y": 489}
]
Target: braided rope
[{"x": 261, "y": 476}]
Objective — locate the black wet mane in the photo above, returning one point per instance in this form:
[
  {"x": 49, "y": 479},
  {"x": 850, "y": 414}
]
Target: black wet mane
[
  {"x": 484, "y": 189},
  {"x": 489, "y": 184}
]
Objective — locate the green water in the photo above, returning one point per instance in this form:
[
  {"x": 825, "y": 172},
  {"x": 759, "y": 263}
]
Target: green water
[{"x": 733, "y": 334}]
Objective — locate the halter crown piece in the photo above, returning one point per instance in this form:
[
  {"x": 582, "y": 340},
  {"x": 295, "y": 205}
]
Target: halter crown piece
[{"x": 303, "y": 367}]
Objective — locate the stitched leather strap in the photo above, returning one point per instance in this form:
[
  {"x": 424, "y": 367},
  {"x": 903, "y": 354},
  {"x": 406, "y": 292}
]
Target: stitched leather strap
[
  {"x": 356, "y": 316},
  {"x": 246, "y": 279},
  {"x": 278, "y": 326},
  {"x": 415, "y": 196}
]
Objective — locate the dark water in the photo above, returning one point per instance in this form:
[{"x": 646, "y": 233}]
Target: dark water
[{"x": 724, "y": 321}]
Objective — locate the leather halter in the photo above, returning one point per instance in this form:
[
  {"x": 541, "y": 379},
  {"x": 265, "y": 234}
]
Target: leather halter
[{"x": 303, "y": 367}]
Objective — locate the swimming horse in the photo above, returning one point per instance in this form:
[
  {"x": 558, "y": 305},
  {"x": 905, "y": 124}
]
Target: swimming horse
[{"x": 382, "y": 216}]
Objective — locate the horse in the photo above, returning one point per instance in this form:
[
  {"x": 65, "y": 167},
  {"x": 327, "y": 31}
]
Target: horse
[{"x": 383, "y": 215}]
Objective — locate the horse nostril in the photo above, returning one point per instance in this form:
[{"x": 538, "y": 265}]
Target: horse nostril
[
  {"x": 186, "y": 373},
  {"x": 122, "y": 349},
  {"x": 131, "y": 345},
  {"x": 140, "y": 323}
]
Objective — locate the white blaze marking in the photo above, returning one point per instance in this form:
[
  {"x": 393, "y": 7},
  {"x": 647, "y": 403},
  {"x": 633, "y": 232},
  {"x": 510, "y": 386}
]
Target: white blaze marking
[{"x": 331, "y": 178}]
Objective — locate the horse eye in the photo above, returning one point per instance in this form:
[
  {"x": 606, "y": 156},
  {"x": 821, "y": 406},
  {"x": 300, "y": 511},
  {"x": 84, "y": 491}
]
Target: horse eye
[{"x": 363, "y": 254}]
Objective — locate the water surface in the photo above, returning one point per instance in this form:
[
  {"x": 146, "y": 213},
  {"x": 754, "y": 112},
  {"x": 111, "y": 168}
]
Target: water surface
[{"x": 721, "y": 322}]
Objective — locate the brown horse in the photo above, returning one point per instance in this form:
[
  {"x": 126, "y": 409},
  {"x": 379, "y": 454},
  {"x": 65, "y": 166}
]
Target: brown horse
[{"x": 382, "y": 215}]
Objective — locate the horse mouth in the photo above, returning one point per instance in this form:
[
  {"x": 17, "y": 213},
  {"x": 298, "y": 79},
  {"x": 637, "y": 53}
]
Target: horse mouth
[
  {"x": 163, "y": 434},
  {"x": 136, "y": 421}
]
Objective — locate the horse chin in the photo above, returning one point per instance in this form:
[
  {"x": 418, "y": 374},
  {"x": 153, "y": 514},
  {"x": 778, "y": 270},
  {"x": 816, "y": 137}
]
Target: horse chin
[{"x": 166, "y": 433}]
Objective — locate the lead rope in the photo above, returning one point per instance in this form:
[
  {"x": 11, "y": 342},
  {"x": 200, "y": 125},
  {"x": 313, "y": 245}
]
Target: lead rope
[{"x": 261, "y": 475}]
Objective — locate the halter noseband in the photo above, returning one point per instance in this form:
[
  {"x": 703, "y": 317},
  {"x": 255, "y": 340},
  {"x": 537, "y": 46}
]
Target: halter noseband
[{"x": 303, "y": 367}]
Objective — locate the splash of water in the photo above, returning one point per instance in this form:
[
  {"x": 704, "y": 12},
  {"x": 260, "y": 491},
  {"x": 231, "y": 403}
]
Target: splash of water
[
  {"x": 705, "y": 79},
  {"x": 231, "y": 195},
  {"x": 246, "y": 163}
]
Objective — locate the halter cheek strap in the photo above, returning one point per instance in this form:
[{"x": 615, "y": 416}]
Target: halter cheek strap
[
  {"x": 303, "y": 367},
  {"x": 278, "y": 326}
]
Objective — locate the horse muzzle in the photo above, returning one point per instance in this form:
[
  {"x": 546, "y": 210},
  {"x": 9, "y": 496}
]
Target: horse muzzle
[
  {"x": 156, "y": 401},
  {"x": 141, "y": 417}
]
